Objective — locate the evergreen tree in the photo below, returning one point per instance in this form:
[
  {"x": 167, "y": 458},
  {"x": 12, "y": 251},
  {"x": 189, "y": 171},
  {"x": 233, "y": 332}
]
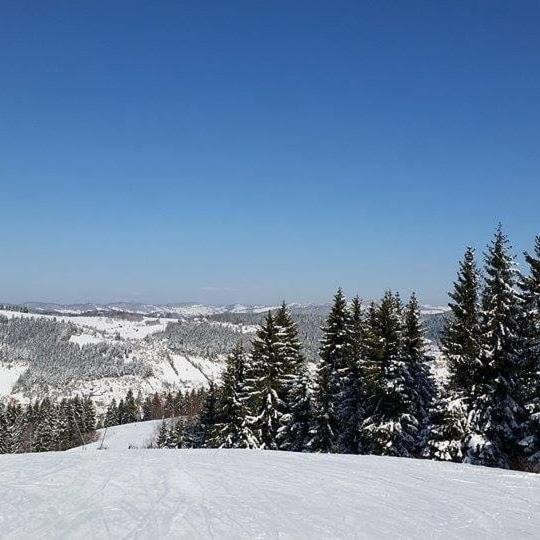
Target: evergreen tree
[
  {"x": 530, "y": 369},
  {"x": 267, "y": 388},
  {"x": 177, "y": 437},
  {"x": 111, "y": 416},
  {"x": 234, "y": 431},
  {"x": 293, "y": 433},
  {"x": 391, "y": 427},
  {"x": 209, "y": 419},
  {"x": 89, "y": 416},
  {"x": 422, "y": 391},
  {"x": 121, "y": 412},
  {"x": 147, "y": 409},
  {"x": 163, "y": 435},
  {"x": 461, "y": 342},
  {"x": 461, "y": 347},
  {"x": 332, "y": 371},
  {"x": 449, "y": 428},
  {"x": 496, "y": 414},
  {"x": 131, "y": 409},
  {"x": 352, "y": 390}
]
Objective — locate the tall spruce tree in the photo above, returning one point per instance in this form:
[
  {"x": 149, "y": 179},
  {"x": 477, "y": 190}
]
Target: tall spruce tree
[
  {"x": 391, "y": 427},
  {"x": 131, "y": 409},
  {"x": 267, "y": 383},
  {"x": 496, "y": 414},
  {"x": 332, "y": 371},
  {"x": 461, "y": 346},
  {"x": 234, "y": 430},
  {"x": 422, "y": 391},
  {"x": 209, "y": 419},
  {"x": 530, "y": 370},
  {"x": 293, "y": 432},
  {"x": 352, "y": 389},
  {"x": 462, "y": 339}
]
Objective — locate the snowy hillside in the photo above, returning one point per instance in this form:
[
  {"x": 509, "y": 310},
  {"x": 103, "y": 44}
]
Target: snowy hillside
[
  {"x": 103, "y": 355},
  {"x": 124, "y": 437},
  {"x": 248, "y": 494}
]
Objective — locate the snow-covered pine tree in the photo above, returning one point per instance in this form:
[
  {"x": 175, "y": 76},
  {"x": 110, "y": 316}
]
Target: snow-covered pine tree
[
  {"x": 234, "y": 430},
  {"x": 163, "y": 435},
  {"x": 351, "y": 404},
  {"x": 423, "y": 385},
  {"x": 448, "y": 427},
  {"x": 131, "y": 410},
  {"x": 121, "y": 412},
  {"x": 293, "y": 433},
  {"x": 391, "y": 428},
  {"x": 461, "y": 341},
  {"x": 177, "y": 434},
  {"x": 111, "y": 416},
  {"x": 209, "y": 419},
  {"x": 496, "y": 413},
  {"x": 332, "y": 371},
  {"x": 461, "y": 346},
  {"x": 266, "y": 383},
  {"x": 530, "y": 350}
]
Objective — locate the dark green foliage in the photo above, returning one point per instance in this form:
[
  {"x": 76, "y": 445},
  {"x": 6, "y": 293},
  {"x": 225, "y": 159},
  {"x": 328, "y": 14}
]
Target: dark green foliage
[
  {"x": 461, "y": 342},
  {"x": 234, "y": 431},
  {"x": 336, "y": 352}
]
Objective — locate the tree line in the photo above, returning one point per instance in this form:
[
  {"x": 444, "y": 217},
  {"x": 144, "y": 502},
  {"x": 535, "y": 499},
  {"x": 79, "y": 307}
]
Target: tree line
[
  {"x": 372, "y": 391},
  {"x": 45, "y": 426},
  {"x": 157, "y": 406}
]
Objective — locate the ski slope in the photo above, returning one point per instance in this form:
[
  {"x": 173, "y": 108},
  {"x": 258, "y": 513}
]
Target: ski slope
[
  {"x": 124, "y": 437},
  {"x": 259, "y": 494}
]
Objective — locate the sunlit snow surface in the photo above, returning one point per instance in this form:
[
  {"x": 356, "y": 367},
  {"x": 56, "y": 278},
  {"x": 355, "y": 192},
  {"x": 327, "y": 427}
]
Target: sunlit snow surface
[{"x": 259, "y": 494}]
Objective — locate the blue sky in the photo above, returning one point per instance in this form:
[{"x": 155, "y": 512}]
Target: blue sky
[{"x": 253, "y": 151}]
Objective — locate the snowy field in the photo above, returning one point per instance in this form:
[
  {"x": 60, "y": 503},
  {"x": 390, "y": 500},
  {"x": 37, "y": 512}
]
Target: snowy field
[{"x": 256, "y": 494}]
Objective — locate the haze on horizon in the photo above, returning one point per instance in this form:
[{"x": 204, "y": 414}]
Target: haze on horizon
[{"x": 192, "y": 152}]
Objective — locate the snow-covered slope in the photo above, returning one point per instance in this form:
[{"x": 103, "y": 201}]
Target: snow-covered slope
[
  {"x": 124, "y": 437},
  {"x": 259, "y": 494}
]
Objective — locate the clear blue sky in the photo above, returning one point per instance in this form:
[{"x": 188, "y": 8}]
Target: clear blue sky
[{"x": 253, "y": 151}]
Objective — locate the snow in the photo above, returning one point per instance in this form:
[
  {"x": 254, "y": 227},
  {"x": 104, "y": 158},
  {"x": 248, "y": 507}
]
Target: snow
[
  {"x": 257, "y": 494},
  {"x": 85, "y": 339},
  {"x": 9, "y": 373},
  {"x": 124, "y": 437}
]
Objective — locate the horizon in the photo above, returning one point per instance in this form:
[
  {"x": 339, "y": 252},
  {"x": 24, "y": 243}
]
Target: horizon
[{"x": 194, "y": 151}]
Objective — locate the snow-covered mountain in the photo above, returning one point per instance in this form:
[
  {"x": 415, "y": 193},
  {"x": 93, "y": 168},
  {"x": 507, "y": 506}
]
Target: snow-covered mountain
[
  {"x": 182, "y": 309},
  {"x": 185, "y": 309},
  {"x": 258, "y": 494}
]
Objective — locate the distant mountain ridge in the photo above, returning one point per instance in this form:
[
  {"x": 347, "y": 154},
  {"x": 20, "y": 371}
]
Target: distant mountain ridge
[{"x": 183, "y": 309}]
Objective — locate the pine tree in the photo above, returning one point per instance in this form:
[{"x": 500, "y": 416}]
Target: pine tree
[
  {"x": 449, "y": 428},
  {"x": 209, "y": 420},
  {"x": 111, "y": 416},
  {"x": 131, "y": 409},
  {"x": 163, "y": 435},
  {"x": 461, "y": 342},
  {"x": 266, "y": 383},
  {"x": 234, "y": 431},
  {"x": 391, "y": 427},
  {"x": 89, "y": 416},
  {"x": 293, "y": 433},
  {"x": 496, "y": 414},
  {"x": 530, "y": 363},
  {"x": 332, "y": 371},
  {"x": 352, "y": 390},
  {"x": 461, "y": 346},
  {"x": 177, "y": 435},
  {"x": 422, "y": 391}
]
